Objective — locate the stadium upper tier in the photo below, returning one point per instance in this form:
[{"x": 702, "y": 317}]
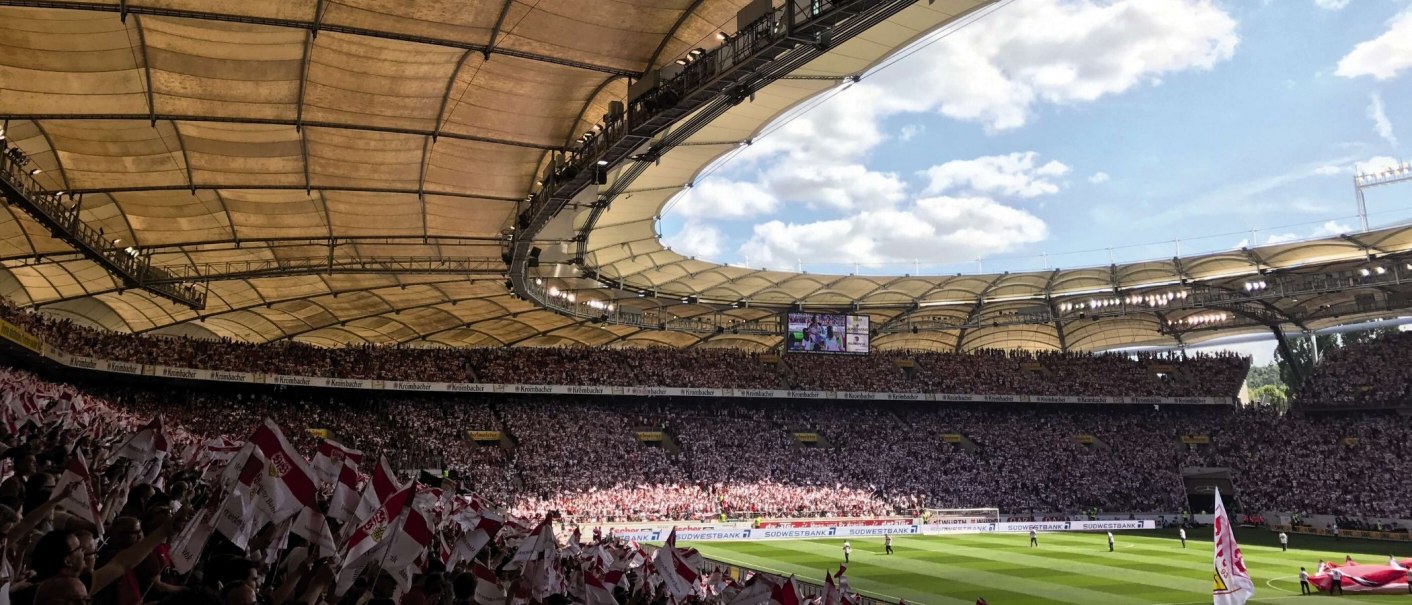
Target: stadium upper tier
[{"x": 334, "y": 173}]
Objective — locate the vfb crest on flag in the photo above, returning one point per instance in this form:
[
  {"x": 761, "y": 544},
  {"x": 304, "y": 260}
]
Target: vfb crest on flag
[
  {"x": 279, "y": 465},
  {"x": 376, "y": 526}
]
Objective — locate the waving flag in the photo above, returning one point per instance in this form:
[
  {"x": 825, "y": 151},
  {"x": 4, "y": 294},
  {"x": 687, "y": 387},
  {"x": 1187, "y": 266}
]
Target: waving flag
[
  {"x": 146, "y": 443},
  {"x": 329, "y": 460},
  {"x": 1231, "y": 582},
  {"x": 278, "y": 478},
  {"x": 381, "y": 487},
  {"x": 678, "y": 577},
  {"x": 82, "y": 502},
  {"x": 345, "y": 499},
  {"x": 488, "y": 590},
  {"x": 370, "y": 538}
]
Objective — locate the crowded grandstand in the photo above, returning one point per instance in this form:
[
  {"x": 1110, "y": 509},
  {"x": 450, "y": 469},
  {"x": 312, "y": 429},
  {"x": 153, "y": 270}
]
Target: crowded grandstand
[{"x": 358, "y": 302}]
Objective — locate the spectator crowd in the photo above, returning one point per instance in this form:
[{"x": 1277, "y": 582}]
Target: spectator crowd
[
  {"x": 979, "y": 373},
  {"x": 585, "y": 458},
  {"x": 1373, "y": 374}
]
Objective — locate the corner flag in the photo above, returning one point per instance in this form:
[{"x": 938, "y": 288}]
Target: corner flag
[{"x": 1231, "y": 582}]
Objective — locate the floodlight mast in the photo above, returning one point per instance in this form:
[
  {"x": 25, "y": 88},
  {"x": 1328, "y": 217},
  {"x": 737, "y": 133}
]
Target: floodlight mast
[{"x": 1388, "y": 176}]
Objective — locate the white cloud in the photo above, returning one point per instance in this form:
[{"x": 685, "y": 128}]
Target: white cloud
[
  {"x": 1376, "y": 164},
  {"x": 1382, "y": 57},
  {"x": 1056, "y": 51},
  {"x": 1013, "y": 175},
  {"x": 1379, "y": 118},
  {"x": 1328, "y": 170},
  {"x": 1332, "y": 5},
  {"x": 1099, "y": 177},
  {"x": 697, "y": 239},
  {"x": 939, "y": 230},
  {"x": 910, "y": 132},
  {"x": 724, "y": 199},
  {"x": 1328, "y": 229},
  {"x": 844, "y": 187}
]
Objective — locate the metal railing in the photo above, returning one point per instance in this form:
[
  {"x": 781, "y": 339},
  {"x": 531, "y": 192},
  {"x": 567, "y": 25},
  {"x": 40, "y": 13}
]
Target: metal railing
[{"x": 129, "y": 265}]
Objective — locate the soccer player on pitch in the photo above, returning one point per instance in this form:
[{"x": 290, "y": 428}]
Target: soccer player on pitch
[
  {"x": 847, "y": 550},
  {"x": 887, "y": 542},
  {"x": 1181, "y": 533},
  {"x": 1284, "y": 542},
  {"x": 1110, "y": 541},
  {"x": 1034, "y": 538},
  {"x": 1303, "y": 581}
]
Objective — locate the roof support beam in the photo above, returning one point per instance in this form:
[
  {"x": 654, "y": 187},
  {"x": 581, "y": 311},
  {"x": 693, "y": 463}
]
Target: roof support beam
[
  {"x": 495, "y": 32},
  {"x": 671, "y": 33},
  {"x": 146, "y": 70},
  {"x": 307, "y": 189},
  {"x": 1355, "y": 240},
  {"x": 186, "y": 161},
  {"x": 63, "y": 176},
  {"x": 299, "y": 122},
  {"x": 123, "y": 9},
  {"x": 976, "y": 310},
  {"x": 1054, "y": 312}
]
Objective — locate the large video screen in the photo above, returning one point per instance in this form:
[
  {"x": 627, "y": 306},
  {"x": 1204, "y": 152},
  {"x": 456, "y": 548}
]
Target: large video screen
[{"x": 826, "y": 333}]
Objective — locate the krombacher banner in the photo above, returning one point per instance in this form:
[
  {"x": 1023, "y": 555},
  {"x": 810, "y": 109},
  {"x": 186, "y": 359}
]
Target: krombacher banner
[
  {"x": 649, "y": 436},
  {"x": 319, "y": 433},
  {"x": 807, "y": 437},
  {"x": 951, "y": 437},
  {"x": 484, "y": 435},
  {"x": 1196, "y": 439},
  {"x": 1084, "y": 439}
]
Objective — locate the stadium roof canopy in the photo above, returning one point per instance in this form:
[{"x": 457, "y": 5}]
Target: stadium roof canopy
[{"x": 348, "y": 171}]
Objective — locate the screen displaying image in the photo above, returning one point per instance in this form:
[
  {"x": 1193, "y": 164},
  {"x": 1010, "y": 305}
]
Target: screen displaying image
[{"x": 826, "y": 333}]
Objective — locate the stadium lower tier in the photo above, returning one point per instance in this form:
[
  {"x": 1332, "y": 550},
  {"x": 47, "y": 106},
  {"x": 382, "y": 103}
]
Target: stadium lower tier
[{"x": 596, "y": 459}]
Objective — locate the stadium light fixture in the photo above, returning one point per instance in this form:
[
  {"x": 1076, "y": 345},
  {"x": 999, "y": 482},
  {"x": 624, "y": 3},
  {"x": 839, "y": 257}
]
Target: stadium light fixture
[
  {"x": 680, "y": 61},
  {"x": 35, "y": 172},
  {"x": 696, "y": 52}
]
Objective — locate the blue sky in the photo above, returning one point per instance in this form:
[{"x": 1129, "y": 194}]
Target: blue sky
[{"x": 1048, "y": 131}]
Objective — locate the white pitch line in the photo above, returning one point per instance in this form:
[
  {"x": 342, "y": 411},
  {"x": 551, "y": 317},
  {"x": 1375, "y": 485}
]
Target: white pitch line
[{"x": 1271, "y": 583}]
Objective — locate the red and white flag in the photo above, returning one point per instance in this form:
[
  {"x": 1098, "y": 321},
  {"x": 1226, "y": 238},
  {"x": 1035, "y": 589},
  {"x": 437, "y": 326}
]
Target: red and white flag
[
  {"x": 1231, "y": 584},
  {"x": 83, "y": 502},
  {"x": 146, "y": 443},
  {"x": 344, "y": 502},
  {"x": 478, "y": 526},
  {"x": 756, "y": 590},
  {"x": 831, "y": 595},
  {"x": 596, "y": 591},
  {"x": 220, "y": 450},
  {"x": 370, "y": 538},
  {"x": 785, "y": 594},
  {"x": 678, "y": 577},
  {"x": 329, "y": 460},
  {"x": 313, "y": 529},
  {"x": 380, "y": 487},
  {"x": 189, "y": 544},
  {"x": 488, "y": 589},
  {"x": 539, "y": 545},
  {"x": 278, "y": 478}
]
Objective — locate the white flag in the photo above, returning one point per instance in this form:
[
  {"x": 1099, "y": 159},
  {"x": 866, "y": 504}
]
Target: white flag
[{"x": 1231, "y": 582}]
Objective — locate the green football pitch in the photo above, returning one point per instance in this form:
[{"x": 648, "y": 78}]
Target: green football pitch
[{"x": 1147, "y": 568}]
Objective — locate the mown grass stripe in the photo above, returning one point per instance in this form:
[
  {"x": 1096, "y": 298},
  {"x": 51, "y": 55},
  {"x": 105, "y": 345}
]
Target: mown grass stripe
[{"x": 1068, "y": 568}]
